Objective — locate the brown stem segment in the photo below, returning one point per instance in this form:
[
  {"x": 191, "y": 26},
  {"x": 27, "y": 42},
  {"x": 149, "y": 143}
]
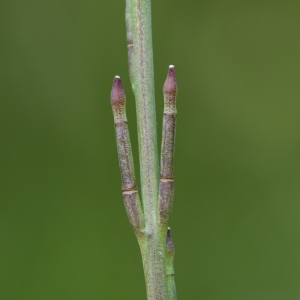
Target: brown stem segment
[
  {"x": 166, "y": 187},
  {"x": 134, "y": 211},
  {"x": 130, "y": 194}
]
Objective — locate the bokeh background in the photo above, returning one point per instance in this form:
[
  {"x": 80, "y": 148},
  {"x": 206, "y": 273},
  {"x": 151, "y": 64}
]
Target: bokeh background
[{"x": 236, "y": 218}]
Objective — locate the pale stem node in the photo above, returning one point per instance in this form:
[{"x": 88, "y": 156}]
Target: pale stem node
[{"x": 130, "y": 194}]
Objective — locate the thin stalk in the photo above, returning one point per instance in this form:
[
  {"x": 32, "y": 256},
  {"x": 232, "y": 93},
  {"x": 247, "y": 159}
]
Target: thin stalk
[
  {"x": 129, "y": 37},
  {"x": 130, "y": 194},
  {"x": 166, "y": 186},
  {"x": 139, "y": 39},
  {"x": 141, "y": 65},
  {"x": 170, "y": 253}
]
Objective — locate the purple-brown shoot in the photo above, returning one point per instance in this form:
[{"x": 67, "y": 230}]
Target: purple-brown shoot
[
  {"x": 130, "y": 193},
  {"x": 134, "y": 211},
  {"x": 170, "y": 246},
  {"x": 170, "y": 253},
  {"x": 166, "y": 187}
]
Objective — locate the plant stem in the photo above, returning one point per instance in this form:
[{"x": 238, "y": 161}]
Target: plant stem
[
  {"x": 139, "y": 38},
  {"x": 170, "y": 253},
  {"x": 166, "y": 186},
  {"x": 143, "y": 86},
  {"x": 150, "y": 221},
  {"x": 130, "y": 194}
]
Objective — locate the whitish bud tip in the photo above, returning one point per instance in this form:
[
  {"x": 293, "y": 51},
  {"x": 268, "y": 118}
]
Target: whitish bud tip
[
  {"x": 117, "y": 76},
  {"x": 169, "y": 242},
  {"x": 171, "y": 71}
]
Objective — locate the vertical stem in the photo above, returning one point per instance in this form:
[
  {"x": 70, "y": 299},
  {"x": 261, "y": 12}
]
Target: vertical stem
[
  {"x": 130, "y": 194},
  {"x": 166, "y": 186},
  {"x": 129, "y": 38},
  {"x": 143, "y": 81},
  {"x": 140, "y": 54},
  {"x": 170, "y": 253}
]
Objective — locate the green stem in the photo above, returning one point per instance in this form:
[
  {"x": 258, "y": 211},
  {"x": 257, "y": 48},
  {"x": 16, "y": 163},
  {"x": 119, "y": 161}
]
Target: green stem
[
  {"x": 139, "y": 38},
  {"x": 170, "y": 253}
]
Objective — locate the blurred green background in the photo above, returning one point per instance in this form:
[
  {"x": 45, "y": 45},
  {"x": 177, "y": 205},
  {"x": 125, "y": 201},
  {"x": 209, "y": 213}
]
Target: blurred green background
[{"x": 236, "y": 217}]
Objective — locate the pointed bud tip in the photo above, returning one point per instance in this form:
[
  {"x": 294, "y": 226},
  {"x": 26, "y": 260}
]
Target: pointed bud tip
[
  {"x": 169, "y": 232},
  {"x": 117, "y": 80},
  {"x": 171, "y": 71},
  {"x": 170, "y": 86},
  {"x": 117, "y": 95},
  {"x": 169, "y": 242}
]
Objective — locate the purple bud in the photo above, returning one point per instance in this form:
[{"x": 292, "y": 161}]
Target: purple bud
[
  {"x": 117, "y": 96},
  {"x": 169, "y": 242},
  {"x": 170, "y": 86}
]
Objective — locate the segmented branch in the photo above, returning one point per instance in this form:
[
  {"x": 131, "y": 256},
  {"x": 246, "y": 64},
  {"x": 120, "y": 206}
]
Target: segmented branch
[
  {"x": 130, "y": 194},
  {"x": 166, "y": 187},
  {"x": 170, "y": 253},
  {"x": 149, "y": 223}
]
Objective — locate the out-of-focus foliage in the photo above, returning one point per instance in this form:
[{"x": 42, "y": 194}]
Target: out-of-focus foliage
[{"x": 236, "y": 218}]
